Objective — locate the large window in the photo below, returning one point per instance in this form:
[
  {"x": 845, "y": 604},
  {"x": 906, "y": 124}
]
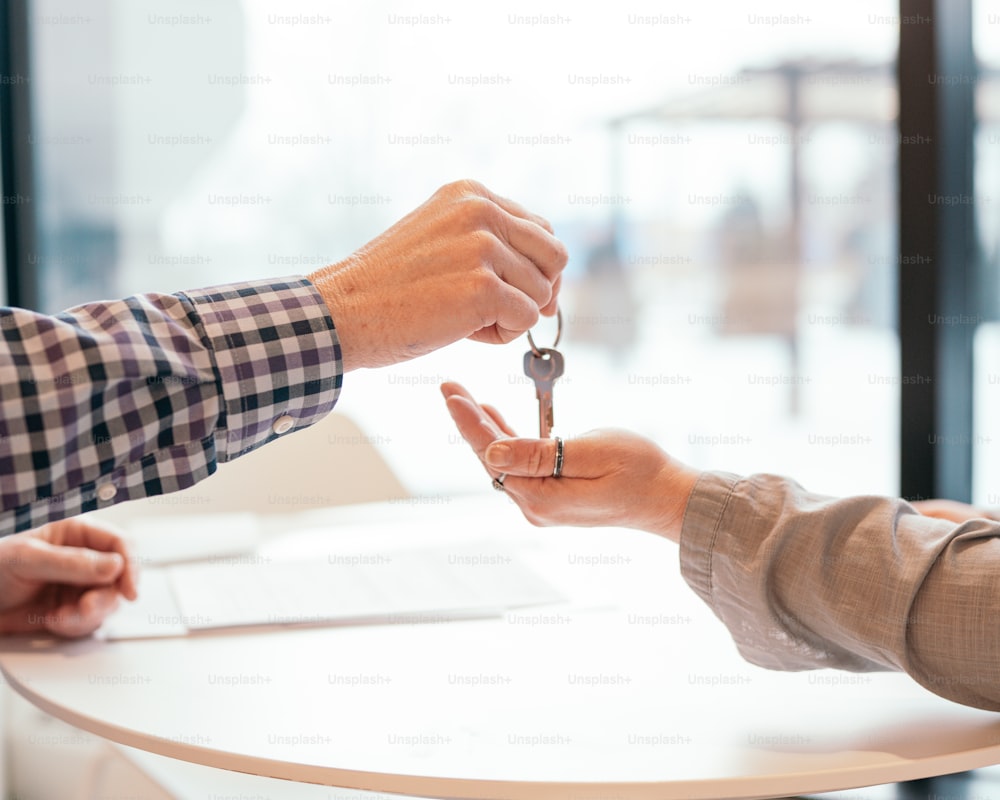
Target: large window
[{"x": 723, "y": 176}]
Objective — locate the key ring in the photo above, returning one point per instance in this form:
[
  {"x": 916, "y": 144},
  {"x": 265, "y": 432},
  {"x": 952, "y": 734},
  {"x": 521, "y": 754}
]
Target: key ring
[{"x": 534, "y": 348}]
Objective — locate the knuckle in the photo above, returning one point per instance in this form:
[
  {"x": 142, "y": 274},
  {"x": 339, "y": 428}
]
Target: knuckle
[
  {"x": 485, "y": 246},
  {"x": 17, "y": 546},
  {"x": 467, "y": 186},
  {"x": 453, "y": 197},
  {"x": 543, "y": 293},
  {"x": 507, "y": 336},
  {"x": 560, "y": 255},
  {"x": 450, "y": 190},
  {"x": 26, "y": 553},
  {"x": 534, "y": 460},
  {"x": 480, "y": 212}
]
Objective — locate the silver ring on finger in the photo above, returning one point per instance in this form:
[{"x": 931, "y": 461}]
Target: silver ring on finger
[
  {"x": 558, "y": 468},
  {"x": 498, "y": 482}
]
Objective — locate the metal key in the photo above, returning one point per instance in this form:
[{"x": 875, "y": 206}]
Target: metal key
[{"x": 544, "y": 367}]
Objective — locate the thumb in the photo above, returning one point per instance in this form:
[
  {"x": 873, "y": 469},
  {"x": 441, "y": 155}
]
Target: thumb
[
  {"x": 532, "y": 458},
  {"x": 79, "y": 566}
]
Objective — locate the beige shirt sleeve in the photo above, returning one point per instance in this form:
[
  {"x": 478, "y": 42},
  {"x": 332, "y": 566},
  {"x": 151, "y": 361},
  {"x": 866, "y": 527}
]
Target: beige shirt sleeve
[{"x": 804, "y": 581}]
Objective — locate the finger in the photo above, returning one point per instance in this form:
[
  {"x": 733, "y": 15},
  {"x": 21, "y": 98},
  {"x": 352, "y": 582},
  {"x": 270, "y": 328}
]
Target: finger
[
  {"x": 482, "y": 426},
  {"x": 592, "y": 455},
  {"x": 450, "y": 388},
  {"x": 514, "y": 208},
  {"x": 545, "y": 252},
  {"x": 24, "y": 619},
  {"x": 83, "y": 533},
  {"x": 498, "y": 419},
  {"x": 460, "y": 414},
  {"x": 475, "y": 425},
  {"x": 522, "y": 273},
  {"x": 38, "y": 560},
  {"x": 77, "y": 616},
  {"x": 85, "y": 615},
  {"x": 531, "y": 458},
  {"x": 513, "y": 313},
  {"x": 552, "y": 306}
]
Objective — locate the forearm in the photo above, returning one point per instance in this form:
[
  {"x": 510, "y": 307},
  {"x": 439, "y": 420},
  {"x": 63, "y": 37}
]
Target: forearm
[
  {"x": 120, "y": 400},
  {"x": 804, "y": 581}
]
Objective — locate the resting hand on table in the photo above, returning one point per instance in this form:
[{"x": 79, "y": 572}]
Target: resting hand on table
[
  {"x": 63, "y": 578},
  {"x": 466, "y": 264},
  {"x": 609, "y": 477}
]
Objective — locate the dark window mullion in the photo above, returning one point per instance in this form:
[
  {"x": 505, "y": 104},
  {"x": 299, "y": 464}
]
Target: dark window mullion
[
  {"x": 16, "y": 158},
  {"x": 937, "y": 256}
]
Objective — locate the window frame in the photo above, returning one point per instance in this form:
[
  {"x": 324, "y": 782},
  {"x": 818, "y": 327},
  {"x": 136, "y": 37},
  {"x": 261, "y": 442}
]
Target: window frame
[
  {"x": 17, "y": 160},
  {"x": 937, "y": 261}
]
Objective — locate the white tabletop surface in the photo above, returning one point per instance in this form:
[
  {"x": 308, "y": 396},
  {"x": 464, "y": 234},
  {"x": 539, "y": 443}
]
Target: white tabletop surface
[{"x": 630, "y": 690}]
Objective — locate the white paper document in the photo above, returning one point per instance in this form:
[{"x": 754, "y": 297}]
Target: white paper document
[{"x": 396, "y": 586}]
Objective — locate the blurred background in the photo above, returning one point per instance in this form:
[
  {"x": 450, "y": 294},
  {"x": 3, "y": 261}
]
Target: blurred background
[{"x": 724, "y": 176}]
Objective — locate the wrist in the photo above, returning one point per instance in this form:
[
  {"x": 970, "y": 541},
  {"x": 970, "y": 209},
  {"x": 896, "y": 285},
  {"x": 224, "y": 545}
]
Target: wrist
[
  {"x": 673, "y": 488},
  {"x": 341, "y": 286}
]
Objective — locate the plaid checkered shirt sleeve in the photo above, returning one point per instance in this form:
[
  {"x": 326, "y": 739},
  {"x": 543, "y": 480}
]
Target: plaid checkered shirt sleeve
[{"x": 120, "y": 400}]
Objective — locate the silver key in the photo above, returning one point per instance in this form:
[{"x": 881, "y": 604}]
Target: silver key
[{"x": 544, "y": 367}]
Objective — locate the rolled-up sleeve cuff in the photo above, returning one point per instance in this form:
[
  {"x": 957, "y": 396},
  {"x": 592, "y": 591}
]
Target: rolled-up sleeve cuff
[
  {"x": 277, "y": 357},
  {"x": 702, "y": 526}
]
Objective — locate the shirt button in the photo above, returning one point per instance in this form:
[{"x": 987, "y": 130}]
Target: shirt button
[
  {"x": 107, "y": 492},
  {"x": 283, "y": 424}
]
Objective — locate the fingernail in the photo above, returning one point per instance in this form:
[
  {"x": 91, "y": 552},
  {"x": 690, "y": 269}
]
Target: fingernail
[{"x": 499, "y": 455}]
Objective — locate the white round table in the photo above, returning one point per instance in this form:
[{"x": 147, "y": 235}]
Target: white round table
[{"x": 631, "y": 690}]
